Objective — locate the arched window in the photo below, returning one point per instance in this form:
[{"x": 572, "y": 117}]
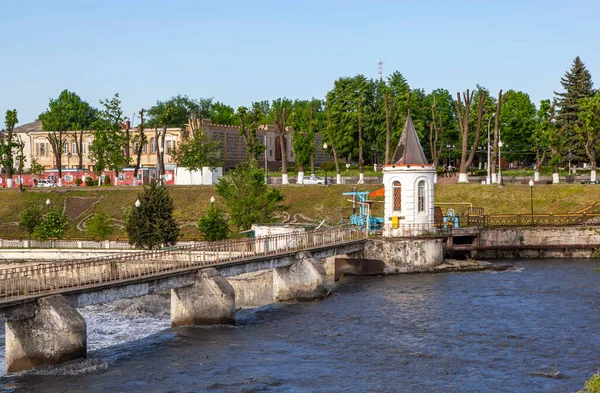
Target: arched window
[
  {"x": 397, "y": 195},
  {"x": 421, "y": 196}
]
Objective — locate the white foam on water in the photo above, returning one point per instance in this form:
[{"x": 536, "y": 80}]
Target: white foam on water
[{"x": 107, "y": 325}]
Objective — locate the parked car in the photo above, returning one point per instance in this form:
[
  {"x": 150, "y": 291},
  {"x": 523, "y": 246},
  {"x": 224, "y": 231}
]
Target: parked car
[
  {"x": 45, "y": 183},
  {"x": 315, "y": 180}
]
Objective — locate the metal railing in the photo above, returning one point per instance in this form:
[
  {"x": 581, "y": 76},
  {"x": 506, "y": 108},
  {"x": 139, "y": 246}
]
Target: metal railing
[
  {"x": 79, "y": 244},
  {"x": 26, "y": 282},
  {"x": 522, "y": 220}
]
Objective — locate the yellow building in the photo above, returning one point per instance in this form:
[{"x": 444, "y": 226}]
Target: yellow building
[{"x": 233, "y": 147}]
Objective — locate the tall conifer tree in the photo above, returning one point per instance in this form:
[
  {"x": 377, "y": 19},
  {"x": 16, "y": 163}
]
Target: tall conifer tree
[
  {"x": 577, "y": 84},
  {"x": 151, "y": 225}
]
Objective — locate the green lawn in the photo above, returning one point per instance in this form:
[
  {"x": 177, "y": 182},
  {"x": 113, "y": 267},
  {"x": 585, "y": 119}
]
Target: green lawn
[{"x": 305, "y": 203}]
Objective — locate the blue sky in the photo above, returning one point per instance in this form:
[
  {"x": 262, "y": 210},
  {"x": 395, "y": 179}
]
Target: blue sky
[{"x": 244, "y": 51}]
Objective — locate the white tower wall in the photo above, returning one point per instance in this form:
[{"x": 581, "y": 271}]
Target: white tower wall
[{"x": 411, "y": 221}]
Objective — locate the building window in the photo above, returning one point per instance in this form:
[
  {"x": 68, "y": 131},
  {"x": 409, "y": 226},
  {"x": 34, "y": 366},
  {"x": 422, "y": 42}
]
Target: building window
[
  {"x": 270, "y": 153},
  {"x": 152, "y": 145},
  {"x": 74, "y": 147},
  {"x": 66, "y": 147},
  {"x": 68, "y": 178},
  {"x": 421, "y": 196},
  {"x": 170, "y": 146},
  {"x": 41, "y": 149},
  {"x": 397, "y": 187}
]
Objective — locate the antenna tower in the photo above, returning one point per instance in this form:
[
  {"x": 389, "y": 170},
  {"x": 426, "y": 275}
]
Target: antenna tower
[{"x": 380, "y": 69}]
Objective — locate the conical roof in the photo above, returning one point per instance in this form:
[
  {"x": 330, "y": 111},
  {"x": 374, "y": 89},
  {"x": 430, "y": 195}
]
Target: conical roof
[{"x": 409, "y": 150}]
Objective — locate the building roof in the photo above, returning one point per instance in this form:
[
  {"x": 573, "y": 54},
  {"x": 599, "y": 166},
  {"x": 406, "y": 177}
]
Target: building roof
[
  {"x": 30, "y": 127},
  {"x": 409, "y": 150}
]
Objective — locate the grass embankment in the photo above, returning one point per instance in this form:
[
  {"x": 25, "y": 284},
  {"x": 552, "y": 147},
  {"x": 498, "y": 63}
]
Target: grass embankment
[{"x": 305, "y": 203}]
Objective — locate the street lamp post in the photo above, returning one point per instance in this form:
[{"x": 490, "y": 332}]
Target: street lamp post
[
  {"x": 531, "y": 183},
  {"x": 137, "y": 209},
  {"x": 488, "y": 179},
  {"x": 500, "y": 181},
  {"x": 325, "y": 166}
]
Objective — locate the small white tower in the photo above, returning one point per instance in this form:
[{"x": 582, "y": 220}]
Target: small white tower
[{"x": 409, "y": 187}]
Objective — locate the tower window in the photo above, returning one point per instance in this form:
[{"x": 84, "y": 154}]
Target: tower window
[
  {"x": 397, "y": 187},
  {"x": 421, "y": 196}
]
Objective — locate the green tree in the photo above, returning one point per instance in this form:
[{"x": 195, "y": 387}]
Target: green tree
[
  {"x": 545, "y": 135},
  {"x": 213, "y": 225},
  {"x": 172, "y": 113},
  {"x": 442, "y": 126},
  {"x": 393, "y": 96},
  {"x": 198, "y": 151},
  {"x": 82, "y": 118},
  {"x": 280, "y": 116},
  {"x": 247, "y": 198},
  {"x": 351, "y": 107},
  {"x": 223, "y": 114},
  {"x": 7, "y": 146},
  {"x": 577, "y": 84},
  {"x": 151, "y": 225},
  {"x": 517, "y": 117},
  {"x": 36, "y": 168},
  {"x": 66, "y": 113},
  {"x": 106, "y": 150},
  {"x": 250, "y": 120},
  {"x": 54, "y": 225},
  {"x": 589, "y": 131},
  {"x": 469, "y": 136},
  {"x": 305, "y": 121},
  {"x": 30, "y": 218},
  {"x": 139, "y": 141},
  {"x": 98, "y": 227}
]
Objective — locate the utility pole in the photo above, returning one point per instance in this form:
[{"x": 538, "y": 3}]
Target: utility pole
[{"x": 380, "y": 69}]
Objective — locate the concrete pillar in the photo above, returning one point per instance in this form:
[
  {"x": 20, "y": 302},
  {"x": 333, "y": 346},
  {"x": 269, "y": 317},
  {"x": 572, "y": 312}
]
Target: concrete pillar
[
  {"x": 210, "y": 301},
  {"x": 53, "y": 334},
  {"x": 253, "y": 289},
  {"x": 303, "y": 280}
]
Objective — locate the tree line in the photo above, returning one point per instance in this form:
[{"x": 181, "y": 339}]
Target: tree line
[{"x": 359, "y": 119}]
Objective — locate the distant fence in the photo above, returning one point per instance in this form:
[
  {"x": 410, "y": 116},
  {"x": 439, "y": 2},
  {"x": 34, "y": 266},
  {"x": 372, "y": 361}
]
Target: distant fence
[
  {"x": 81, "y": 244},
  {"x": 521, "y": 220},
  {"x": 27, "y": 282}
]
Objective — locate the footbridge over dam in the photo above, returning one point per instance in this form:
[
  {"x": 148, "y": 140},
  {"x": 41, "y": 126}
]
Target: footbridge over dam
[{"x": 207, "y": 283}]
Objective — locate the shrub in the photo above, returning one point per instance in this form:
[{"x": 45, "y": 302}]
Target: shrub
[
  {"x": 107, "y": 180},
  {"x": 78, "y": 181},
  {"x": 247, "y": 198},
  {"x": 214, "y": 225},
  {"x": 592, "y": 385},
  {"x": 31, "y": 218},
  {"x": 98, "y": 227},
  {"x": 89, "y": 181},
  {"x": 53, "y": 225}
]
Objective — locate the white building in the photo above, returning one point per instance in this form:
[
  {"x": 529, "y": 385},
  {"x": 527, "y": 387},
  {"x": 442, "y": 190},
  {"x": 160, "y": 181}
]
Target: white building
[{"x": 409, "y": 188}]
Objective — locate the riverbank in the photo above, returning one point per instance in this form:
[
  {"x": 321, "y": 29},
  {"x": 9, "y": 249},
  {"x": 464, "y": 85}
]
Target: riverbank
[{"x": 305, "y": 203}]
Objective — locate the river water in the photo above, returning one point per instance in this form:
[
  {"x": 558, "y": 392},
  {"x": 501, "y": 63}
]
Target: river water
[{"x": 533, "y": 328}]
